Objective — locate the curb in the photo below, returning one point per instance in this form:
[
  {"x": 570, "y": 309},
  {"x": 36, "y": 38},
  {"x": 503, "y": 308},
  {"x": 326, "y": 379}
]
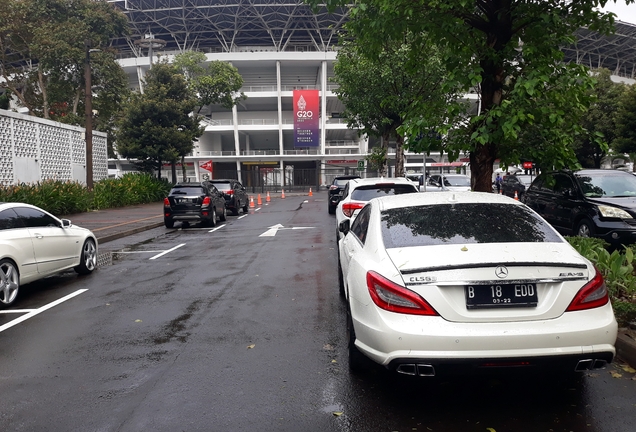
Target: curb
[
  {"x": 116, "y": 236},
  {"x": 626, "y": 349}
]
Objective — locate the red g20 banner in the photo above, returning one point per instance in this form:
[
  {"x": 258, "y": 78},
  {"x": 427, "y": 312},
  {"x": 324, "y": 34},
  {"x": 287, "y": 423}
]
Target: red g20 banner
[{"x": 306, "y": 118}]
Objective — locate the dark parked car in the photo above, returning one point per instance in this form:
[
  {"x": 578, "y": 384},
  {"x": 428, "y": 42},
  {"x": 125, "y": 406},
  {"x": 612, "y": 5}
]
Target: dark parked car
[
  {"x": 234, "y": 193},
  {"x": 588, "y": 203},
  {"x": 194, "y": 202},
  {"x": 516, "y": 183},
  {"x": 335, "y": 190}
]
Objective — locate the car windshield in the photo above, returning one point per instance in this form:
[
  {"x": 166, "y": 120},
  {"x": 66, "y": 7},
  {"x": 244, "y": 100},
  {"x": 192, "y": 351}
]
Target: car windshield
[
  {"x": 456, "y": 181},
  {"x": 597, "y": 185},
  {"x": 463, "y": 224},
  {"x": 366, "y": 193},
  {"x": 525, "y": 179},
  {"x": 341, "y": 182},
  {"x": 187, "y": 190},
  {"x": 223, "y": 186}
]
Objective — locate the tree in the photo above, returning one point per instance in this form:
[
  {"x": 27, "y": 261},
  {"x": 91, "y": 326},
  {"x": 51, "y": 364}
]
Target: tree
[
  {"x": 511, "y": 48},
  {"x": 217, "y": 83},
  {"x": 625, "y": 141},
  {"x": 157, "y": 125},
  {"x": 599, "y": 122},
  {"x": 42, "y": 51},
  {"x": 381, "y": 92}
]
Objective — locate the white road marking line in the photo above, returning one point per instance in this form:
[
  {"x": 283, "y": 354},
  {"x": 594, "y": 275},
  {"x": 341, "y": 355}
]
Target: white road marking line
[
  {"x": 241, "y": 217},
  {"x": 40, "y": 310},
  {"x": 257, "y": 209},
  {"x": 217, "y": 228},
  {"x": 134, "y": 252},
  {"x": 17, "y": 311},
  {"x": 168, "y": 251}
]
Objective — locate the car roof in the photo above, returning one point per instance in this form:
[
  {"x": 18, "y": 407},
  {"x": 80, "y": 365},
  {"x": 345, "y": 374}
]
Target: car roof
[
  {"x": 222, "y": 180},
  {"x": 346, "y": 177},
  {"x": 188, "y": 184},
  {"x": 600, "y": 171},
  {"x": 424, "y": 198}
]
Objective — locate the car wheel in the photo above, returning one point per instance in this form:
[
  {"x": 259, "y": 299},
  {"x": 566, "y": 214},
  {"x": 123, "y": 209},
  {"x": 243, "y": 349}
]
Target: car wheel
[
  {"x": 9, "y": 282},
  {"x": 357, "y": 360},
  {"x": 245, "y": 207},
  {"x": 223, "y": 216},
  {"x": 340, "y": 279},
  {"x": 213, "y": 217},
  {"x": 585, "y": 228},
  {"x": 236, "y": 209},
  {"x": 88, "y": 258},
  {"x": 169, "y": 223},
  {"x": 332, "y": 209}
]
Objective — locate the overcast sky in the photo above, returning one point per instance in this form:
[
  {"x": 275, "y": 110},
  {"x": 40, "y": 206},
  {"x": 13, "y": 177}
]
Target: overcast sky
[{"x": 622, "y": 11}]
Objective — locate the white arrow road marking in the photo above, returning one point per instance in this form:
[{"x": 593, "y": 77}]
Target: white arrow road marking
[
  {"x": 167, "y": 251},
  {"x": 271, "y": 232}
]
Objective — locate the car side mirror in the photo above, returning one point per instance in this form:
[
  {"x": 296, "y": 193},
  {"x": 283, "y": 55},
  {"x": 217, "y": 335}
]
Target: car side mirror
[
  {"x": 66, "y": 223},
  {"x": 344, "y": 226}
]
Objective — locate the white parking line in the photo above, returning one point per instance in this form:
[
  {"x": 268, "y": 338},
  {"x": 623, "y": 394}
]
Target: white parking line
[
  {"x": 34, "y": 312},
  {"x": 241, "y": 217},
  {"x": 167, "y": 251},
  {"x": 217, "y": 228}
]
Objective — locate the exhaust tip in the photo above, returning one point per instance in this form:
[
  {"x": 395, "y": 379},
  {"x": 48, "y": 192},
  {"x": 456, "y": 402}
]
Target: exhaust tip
[
  {"x": 423, "y": 370},
  {"x": 589, "y": 364}
]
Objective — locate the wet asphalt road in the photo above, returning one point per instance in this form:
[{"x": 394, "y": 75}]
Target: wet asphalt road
[{"x": 233, "y": 331}]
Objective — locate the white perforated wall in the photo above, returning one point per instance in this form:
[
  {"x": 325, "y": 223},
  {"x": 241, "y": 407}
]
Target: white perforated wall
[{"x": 54, "y": 148}]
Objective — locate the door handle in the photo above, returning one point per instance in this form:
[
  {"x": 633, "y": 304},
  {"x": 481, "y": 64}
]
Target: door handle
[{"x": 38, "y": 235}]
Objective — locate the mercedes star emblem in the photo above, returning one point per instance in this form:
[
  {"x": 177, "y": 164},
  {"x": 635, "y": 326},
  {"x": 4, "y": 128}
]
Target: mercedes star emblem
[{"x": 501, "y": 272}]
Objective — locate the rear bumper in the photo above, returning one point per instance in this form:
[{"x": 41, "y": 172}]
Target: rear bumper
[{"x": 391, "y": 339}]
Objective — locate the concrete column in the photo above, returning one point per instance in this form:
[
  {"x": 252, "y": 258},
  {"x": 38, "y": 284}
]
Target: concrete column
[{"x": 280, "y": 111}]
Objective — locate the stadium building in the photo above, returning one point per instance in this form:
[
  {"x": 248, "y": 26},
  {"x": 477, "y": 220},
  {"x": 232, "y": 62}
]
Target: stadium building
[{"x": 288, "y": 131}]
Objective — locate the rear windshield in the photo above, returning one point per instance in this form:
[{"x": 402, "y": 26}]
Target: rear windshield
[
  {"x": 187, "y": 190},
  {"x": 341, "y": 182},
  {"x": 457, "y": 181},
  {"x": 223, "y": 185},
  {"x": 366, "y": 193},
  {"x": 463, "y": 224}
]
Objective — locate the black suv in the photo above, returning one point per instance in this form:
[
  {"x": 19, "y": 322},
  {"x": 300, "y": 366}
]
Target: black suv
[
  {"x": 335, "y": 190},
  {"x": 588, "y": 203},
  {"x": 194, "y": 202},
  {"x": 234, "y": 193},
  {"x": 514, "y": 183}
]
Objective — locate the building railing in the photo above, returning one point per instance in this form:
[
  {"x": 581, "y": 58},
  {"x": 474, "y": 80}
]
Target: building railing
[
  {"x": 310, "y": 151},
  {"x": 341, "y": 143},
  {"x": 341, "y": 151},
  {"x": 221, "y": 122}
]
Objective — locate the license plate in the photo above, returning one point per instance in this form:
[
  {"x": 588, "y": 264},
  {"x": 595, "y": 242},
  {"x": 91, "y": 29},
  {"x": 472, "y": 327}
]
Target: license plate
[{"x": 501, "y": 295}]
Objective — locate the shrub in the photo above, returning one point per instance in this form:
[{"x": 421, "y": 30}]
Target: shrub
[{"x": 617, "y": 269}]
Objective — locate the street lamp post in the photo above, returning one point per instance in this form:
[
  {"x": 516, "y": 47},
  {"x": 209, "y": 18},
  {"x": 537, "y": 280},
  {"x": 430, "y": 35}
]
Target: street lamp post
[{"x": 88, "y": 113}]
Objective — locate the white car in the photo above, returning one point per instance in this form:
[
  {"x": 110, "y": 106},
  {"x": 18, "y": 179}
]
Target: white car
[
  {"x": 448, "y": 182},
  {"x": 449, "y": 280},
  {"x": 35, "y": 244},
  {"x": 358, "y": 191}
]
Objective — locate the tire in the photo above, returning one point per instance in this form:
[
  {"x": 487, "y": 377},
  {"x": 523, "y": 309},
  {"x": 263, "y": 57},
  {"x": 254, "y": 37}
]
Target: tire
[
  {"x": 169, "y": 223},
  {"x": 332, "y": 209},
  {"x": 88, "y": 258},
  {"x": 236, "y": 210},
  {"x": 341, "y": 286},
  {"x": 212, "y": 222},
  {"x": 245, "y": 207},
  {"x": 9, "y": 282},
  {"x": 357, "y": 360},
  {"x": 585, "y": 228},
  {"x": 223, "y": 216}
]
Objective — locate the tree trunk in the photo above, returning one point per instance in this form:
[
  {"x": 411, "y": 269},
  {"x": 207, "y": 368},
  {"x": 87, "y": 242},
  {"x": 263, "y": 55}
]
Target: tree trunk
[
  {"x": 481, "y": 167},
  {"x": 399, "y": 156},
  {"x": 159, "y": 169},
  {"x": 384, "y": 167},
  {"x": 76, "y": 100},
  {"x": 174, "y": 172},
  {"x": 183, "y": 169},
  {"x": 45, "y": 98}
]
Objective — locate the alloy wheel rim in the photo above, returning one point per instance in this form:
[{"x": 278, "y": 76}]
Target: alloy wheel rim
[
  {"x": 90, "y": 256},
  {"x": 8, "y": 283}
]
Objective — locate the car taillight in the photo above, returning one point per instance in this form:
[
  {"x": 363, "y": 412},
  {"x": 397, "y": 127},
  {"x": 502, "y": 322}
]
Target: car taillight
[
  {"x": 395, "y": 298},
  {"x": 350, "y": 207},
  {"x": 166, "y": 202},
  {"x": 206, "y": 201},
  {"x": 230, "y": 192},
  {"x": 592, "y": 295}
]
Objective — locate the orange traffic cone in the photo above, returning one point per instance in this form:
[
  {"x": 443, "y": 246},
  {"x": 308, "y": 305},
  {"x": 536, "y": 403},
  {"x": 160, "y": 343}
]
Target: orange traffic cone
[
  {"x": 258, "y": 201},
  {"x": 516, "y": 196},
  {"x": 252, "y": 202},
  {"x": 267, "y": 198},
  {"x": 310, "y": 192},
  {"x": 282, "y": 195}
]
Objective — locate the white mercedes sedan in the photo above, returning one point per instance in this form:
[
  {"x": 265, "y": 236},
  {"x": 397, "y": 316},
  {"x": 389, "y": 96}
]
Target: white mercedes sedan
[
  {"x": 35, "y": 244},
  {"x": 467, "y": 282}
]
